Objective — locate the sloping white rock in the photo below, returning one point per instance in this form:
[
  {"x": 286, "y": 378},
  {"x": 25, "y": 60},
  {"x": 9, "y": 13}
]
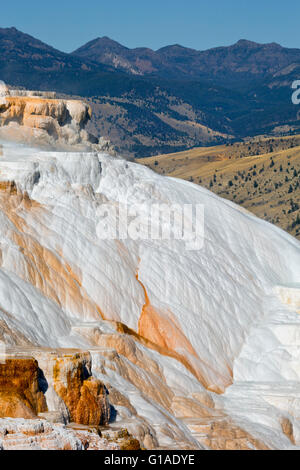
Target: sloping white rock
[{"x": 214, "y": 315}]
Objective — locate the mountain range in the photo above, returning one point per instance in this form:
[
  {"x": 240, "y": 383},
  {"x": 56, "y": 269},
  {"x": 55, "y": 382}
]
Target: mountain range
[
  {"x": 148, "y": 102},
  {"x": 244, "y": 60}
]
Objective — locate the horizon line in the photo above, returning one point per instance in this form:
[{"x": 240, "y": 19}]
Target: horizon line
[{"x": 149, "y": 48}]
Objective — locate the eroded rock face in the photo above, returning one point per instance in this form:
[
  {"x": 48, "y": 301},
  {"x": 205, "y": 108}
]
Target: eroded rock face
[
  {"x": 61, "y": 385},
  {"x": 38, "y": 118},
  {"x": 20, "y": 393},
  {"x": 85, "y": 397}
]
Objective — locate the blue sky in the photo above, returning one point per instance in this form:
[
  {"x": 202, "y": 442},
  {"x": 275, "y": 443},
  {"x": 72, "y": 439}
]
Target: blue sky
[{"x": 68, "y": 24}]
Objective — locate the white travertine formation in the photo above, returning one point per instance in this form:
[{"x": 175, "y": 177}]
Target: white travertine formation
[
  {"x": 169, "y": 330},
  {"x": 22, "y": 434},
  {"x": 41, "y": 119},
  {"x": 4, "y": 91}
]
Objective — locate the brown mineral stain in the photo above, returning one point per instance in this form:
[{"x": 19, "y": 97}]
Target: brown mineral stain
[
  {"x": 84, "y": 396},
  {"x": 160, "y": 329},
  {"x": 288, "y": 429},
  {"x": 20, "y": 395},
  {"x": 138, "y": 368},
  {"x": 8, "y": 187},
  {"x": 44, "y": 269},
  {"x": 35, "y": 112}
]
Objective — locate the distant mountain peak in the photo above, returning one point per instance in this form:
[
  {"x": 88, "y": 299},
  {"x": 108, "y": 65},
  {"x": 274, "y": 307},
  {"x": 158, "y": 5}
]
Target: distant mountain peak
[
  {"x": 12, "y": 28},
  {"x": 246, "y": 42},
  {"x": 175, "y": 48},
  {"x": 99, "y": 45},
  {"x": 15, "y": 36},
  {"x": 108, "y": 40},
  {"x": 252, "y": 44}
]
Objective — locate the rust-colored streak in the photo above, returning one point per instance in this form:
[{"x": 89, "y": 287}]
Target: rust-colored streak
[
  {"x": 158, "y": 330},
  {"x": 8, "y": 187},
  {"x": 44, "y": 269}
]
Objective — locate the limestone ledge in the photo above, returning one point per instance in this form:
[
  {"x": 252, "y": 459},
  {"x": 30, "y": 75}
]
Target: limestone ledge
[
  {"x": 22, "y": 434},
  {"x": 39, "y": 118}
]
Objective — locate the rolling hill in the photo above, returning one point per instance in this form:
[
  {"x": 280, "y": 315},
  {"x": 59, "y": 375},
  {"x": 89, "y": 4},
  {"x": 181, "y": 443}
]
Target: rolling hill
[{"x": 262, "y": 175}]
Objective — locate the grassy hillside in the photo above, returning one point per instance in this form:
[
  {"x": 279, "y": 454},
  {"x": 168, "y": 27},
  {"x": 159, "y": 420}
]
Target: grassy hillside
[{"x": 261, "y": 174}]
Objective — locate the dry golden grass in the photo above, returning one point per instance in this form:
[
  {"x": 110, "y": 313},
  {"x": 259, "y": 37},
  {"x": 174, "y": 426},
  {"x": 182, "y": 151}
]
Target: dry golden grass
[{"x": 262, "y": 175}]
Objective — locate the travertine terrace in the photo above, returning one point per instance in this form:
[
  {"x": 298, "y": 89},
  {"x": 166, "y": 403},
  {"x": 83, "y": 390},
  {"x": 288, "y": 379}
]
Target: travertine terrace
[
  {"x": 183, "y": 349},
  {"x": 40, "y": 119}
]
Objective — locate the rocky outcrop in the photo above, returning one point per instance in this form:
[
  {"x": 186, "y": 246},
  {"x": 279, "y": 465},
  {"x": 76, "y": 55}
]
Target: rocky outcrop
[
  {"x": 72, "y": 405},
  {"x": 59, "y": 387},
  {"x": 20, "y": 393},
  {"x": 85, "y": 397},
  {"x": 39, "y": 118}
]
